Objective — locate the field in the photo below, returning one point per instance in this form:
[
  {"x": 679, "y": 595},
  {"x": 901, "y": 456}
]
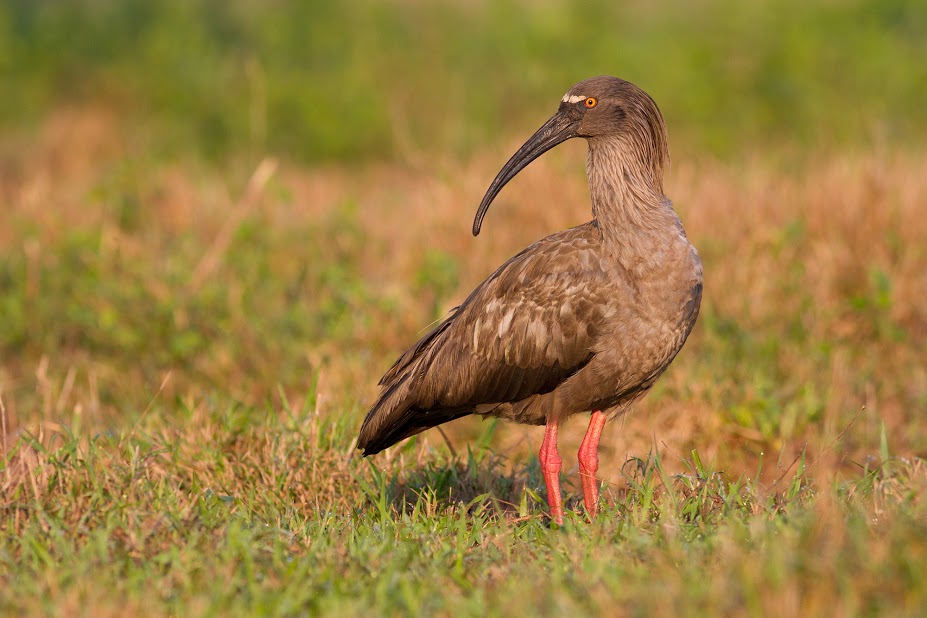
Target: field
[{"x": 203, "y": 273}]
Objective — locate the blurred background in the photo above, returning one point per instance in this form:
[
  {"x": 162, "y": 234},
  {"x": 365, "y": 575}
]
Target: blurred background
[
  {"x": 335, "y": 82},
  {"x": 146, "y": 265}
]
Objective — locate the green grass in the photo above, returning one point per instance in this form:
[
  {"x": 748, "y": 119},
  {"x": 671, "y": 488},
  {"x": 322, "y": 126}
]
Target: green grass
[
  {"x": 368, "y": 80},
  {"x": 239, "y": 511}
]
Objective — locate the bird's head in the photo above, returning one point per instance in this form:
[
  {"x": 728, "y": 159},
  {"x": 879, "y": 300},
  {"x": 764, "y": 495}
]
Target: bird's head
[{"x": 600, "y": 109}]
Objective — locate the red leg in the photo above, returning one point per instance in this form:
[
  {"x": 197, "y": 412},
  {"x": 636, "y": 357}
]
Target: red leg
[
  {"x": 589, "y": 462},
  {"x": 550, "y": 466}
]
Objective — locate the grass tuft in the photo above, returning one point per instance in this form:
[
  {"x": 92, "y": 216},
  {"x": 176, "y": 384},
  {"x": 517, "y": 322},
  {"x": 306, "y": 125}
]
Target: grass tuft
[{"x": 275, "y": 506}]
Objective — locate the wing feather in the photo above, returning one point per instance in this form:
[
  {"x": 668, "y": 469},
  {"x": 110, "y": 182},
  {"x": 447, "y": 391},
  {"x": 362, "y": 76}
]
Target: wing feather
[{"x": 522, "y": 332}]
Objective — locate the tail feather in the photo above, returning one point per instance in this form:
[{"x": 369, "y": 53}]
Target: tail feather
[
  {"x": 412, "y": 423},
  {"x": 415, "y": 352},
  {"x": 393, "y": 418},
  {"x": 398, "y": 414}
]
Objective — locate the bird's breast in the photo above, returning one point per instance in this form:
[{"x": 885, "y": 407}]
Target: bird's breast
[{"x": 649, "y": 319}]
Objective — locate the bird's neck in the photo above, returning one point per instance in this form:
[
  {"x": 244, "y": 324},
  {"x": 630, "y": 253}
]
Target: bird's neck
[{"x": 627, "y": 197}]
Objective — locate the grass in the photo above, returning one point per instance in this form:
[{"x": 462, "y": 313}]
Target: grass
[
  {"x": 372, "y": 80},
  {"x": 182, "y": 383},
  {"x": 193, "y": 318},
  {"x": 238, "y": 511}
]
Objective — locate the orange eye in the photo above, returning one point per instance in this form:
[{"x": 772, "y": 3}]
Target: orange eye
[{"x": 590, "y": 102}]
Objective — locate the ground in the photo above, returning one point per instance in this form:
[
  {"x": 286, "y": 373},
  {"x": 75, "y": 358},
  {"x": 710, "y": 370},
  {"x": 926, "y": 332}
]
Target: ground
[{"x": 180, "y": 413}]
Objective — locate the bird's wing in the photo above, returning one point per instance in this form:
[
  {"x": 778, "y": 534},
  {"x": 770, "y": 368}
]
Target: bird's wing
[
  {"x": 525, "y": 330},
  {"x": 522, "y": 332}
]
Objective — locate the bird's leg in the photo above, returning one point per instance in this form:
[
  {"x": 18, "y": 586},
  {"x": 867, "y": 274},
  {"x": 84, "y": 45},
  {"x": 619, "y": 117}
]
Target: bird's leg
[
  {"x": 550, "y": 467},
  {"x": 589, "y": 462}
]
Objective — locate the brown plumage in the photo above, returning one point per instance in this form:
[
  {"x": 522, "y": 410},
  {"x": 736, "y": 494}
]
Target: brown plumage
[{"x": 584, "y": 320}]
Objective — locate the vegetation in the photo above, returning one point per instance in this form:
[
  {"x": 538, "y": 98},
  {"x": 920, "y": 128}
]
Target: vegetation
[
  {"x": 226, "y": 513},
  {"x": 222, "y": 223},
  {"x": 368, "y": 79}
]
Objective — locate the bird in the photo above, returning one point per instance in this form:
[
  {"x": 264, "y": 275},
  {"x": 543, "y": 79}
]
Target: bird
[{"x": 582, "y": 321}]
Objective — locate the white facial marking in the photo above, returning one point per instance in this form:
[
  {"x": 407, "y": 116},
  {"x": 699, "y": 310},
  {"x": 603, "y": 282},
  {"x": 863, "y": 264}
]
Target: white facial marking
[{"x": 576, "y": 98}]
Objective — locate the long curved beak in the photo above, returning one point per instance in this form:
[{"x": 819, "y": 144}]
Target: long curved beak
[{"x": 559, "y": 128}]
